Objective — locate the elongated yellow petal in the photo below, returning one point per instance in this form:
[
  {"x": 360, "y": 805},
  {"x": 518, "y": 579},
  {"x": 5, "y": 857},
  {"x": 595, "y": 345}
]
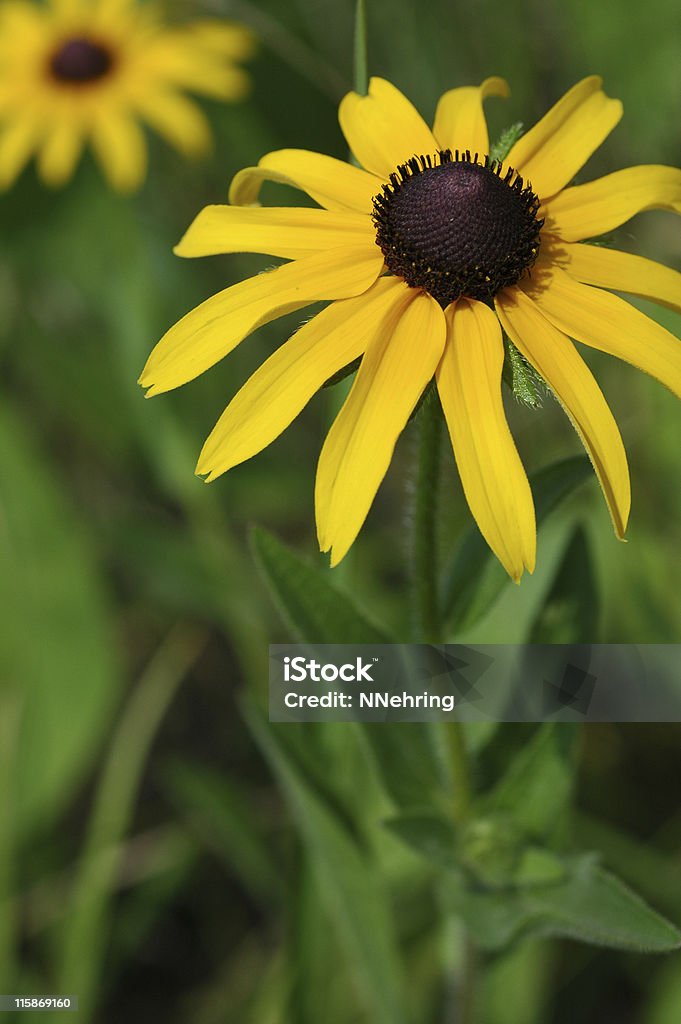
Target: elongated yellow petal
[
  {"x": 383, "y": 129},
  {"x": 212, "y": 330},
  {"x": 61, "y": 150},
  {"x": 288, "y": 232},
  {"x": 556, "y": 359},
  {"x": 621, "y": 271},
  {"x": 18, "y": 139},
  {"x": 330, "y": 182},
  {"x": 179, "y": 120},
  {"x": 119, "y": 144},
  {"x": 492, "y": 475},
  {"x": 397, "y": 365},
  {"x": 230, "y": 40},
  {"x": 608, "y": 323},
  {"x": 275, "y": 394},
  {"x": 586, "y": 211},
  {"x": 552, "y": 152},
  {"x": 460, "y": 119}
]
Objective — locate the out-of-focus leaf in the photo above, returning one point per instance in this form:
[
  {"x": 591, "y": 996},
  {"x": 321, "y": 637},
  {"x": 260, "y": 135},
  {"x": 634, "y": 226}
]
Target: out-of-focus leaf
[
  {"x": 570, "y": 613},
  {"x": 430, "y": 835},
  {"x": 591, "y": 905},
  {"x": 525, "y": 971},
  {"x": 536, "y": 789},
  {"x": 476, "y": 578},
  {"x": 651, "y": 871},
  {"x": 314, "y": 608},
  {"x": 664, "y": 1004},
  {"x": 57, "y": 648},
  {"x": 351, "y": 884},
  {"x": 406, "y": 756},
  {"x": 220, "y": 816}
]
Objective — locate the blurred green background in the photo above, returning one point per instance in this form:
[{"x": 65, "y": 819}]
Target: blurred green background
[{"x": 148, "y": 860}]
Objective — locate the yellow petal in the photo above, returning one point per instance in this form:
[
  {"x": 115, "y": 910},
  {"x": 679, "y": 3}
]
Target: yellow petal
[
  {"x": 398, "y": 363},
  {"x": 556, "y": 359},
  {"x": 330, "y": 182},
  {"x": 275, "y": 394},
  {"x": 610, "y": 268},
  {"x": 460, "y": 120},
  {"x": 552, "y": 152},
  {"x": 18, "y": 139},
  {"x": 287, "y": 232},
  {"x": 492, "y": 475},
  {"x": 608, "y": 323},
  {"x": 61, "y": 150},
  {"x": 179, "y": 120},
  {"x": 120, "y": 147},
  {"x": 589, "y": 210},
  {"x": 383, "y": 129},
  {"x": 212, "y": 330},
  {"x": 230, "y": 40}
]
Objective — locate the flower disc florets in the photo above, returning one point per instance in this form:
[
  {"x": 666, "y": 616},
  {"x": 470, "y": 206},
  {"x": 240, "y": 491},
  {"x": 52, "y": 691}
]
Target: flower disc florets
[
  {"x": 80, "y": 61},
  {"x": 454, "y": 226}
]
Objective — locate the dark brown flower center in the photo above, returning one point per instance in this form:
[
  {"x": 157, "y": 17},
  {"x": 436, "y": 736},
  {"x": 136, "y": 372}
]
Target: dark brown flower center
[
  {"x": 80, "y": 61},
  {"x": 454, "y": 227}
]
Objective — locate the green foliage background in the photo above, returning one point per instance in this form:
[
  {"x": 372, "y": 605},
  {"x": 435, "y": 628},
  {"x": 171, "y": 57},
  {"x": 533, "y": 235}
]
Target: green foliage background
[{"x": 163, "y": 852}]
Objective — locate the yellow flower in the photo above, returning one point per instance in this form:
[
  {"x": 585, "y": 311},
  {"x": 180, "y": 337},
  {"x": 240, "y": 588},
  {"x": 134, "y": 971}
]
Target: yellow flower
[
  {"x": 73, "y": 71},
  {"x": 427, "y": 250}
]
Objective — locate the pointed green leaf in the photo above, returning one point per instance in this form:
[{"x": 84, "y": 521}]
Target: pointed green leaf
[
  {"x": 57, "y": 644},
  {"x": 316, "y": 610},
  {"x": 351, "y": 884},
  {"x": 571, "y": 610},
  {"x": 536, "y": 789},
  {"x": 409, "y": 760},
  {"x": 590, "y": 905},
  {"x": 476, "y": 578}
]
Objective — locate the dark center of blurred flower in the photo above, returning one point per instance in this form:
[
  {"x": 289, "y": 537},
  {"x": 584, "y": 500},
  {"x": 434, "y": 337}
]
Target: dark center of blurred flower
[
  {"x": 455, "y": 227},
  {"x": 80, "y": 61}
]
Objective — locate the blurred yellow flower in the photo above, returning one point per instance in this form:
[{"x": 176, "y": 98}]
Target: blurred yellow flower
[
  {"x": 78, "y": 71},
  {"x": 427, "y": 250}
]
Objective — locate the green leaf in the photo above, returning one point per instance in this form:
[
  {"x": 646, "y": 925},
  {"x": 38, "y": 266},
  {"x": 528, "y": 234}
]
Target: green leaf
[
  {"x": 57, "y": 645},
  {"x": 409, "y": 760},
  {"x": 521, "y": 377},
  {"x": 313, "y": 607},
  {"x": 350, "y": 882},
  {"x": 590, "y": 905},
  {"x": 475, "y": 578},
  {"x": 431, "y": 835},
  {"x": 537, "y": 787},
  {"x": 222, "y": 819},
  {"x": 570, "y": 612},
  {"x": 508, "y": 138}
]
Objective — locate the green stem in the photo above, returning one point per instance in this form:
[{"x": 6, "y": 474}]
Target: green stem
[
  {"x": 425, "y": 595},
  {"x": 361, "y": 64},
  {"x": 83, "y": 940},
  {"x": 9, "y": 743}
]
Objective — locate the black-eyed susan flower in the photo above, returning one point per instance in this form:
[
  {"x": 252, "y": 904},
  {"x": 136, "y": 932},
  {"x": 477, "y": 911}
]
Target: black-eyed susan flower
[
  {"x": 426, "y": 251},
  {"x": 79, "y": 71}
]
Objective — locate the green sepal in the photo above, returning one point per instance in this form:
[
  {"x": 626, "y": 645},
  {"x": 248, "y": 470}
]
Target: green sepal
[
  {"x": 521, "y": 378},
  {"x": 506, "y": 141}
]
